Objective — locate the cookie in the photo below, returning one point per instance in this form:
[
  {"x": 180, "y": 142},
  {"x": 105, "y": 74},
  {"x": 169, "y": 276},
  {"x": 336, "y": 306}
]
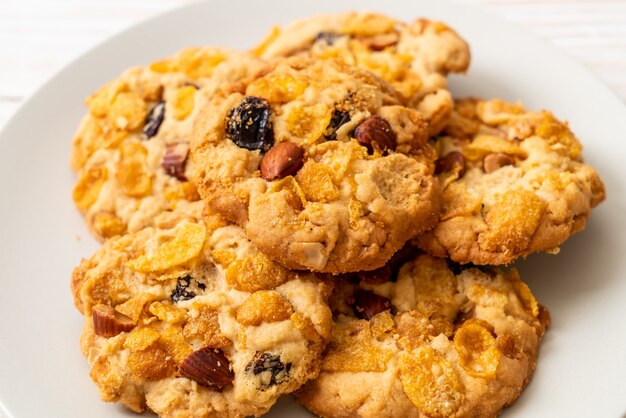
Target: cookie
[
  {"x": 514, "y": 183},
  {"x": 187, "y": 318},
  {"x": 413, "y": 57},
  {"x": 436, "y": 341},
  {"x": 130, "y": 151},
  {"x": 320, "y": 163}
]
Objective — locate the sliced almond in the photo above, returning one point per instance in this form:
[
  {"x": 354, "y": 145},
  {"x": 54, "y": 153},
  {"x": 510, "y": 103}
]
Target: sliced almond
[
  {"x": 208, "y": 367},
  {"x": 107, "y": 322}
]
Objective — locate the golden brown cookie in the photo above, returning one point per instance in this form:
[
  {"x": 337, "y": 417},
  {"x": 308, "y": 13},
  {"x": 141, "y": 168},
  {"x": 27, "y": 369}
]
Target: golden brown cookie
[
  {"x": 320, "y": 163},
  {"x": 130, "y": 151},
  {"x": 514, "y": 182},
  {"x": 187, "y": 318},
  {"x": 436, "y": 341},
  {"x": 413, "y": 57}
]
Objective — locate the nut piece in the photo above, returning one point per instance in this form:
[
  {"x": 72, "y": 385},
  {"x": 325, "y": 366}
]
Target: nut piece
[
  {"x": 107, "y": 322},
  {"x": 449, "y": 162},
  {"x": 497, "y": 160},
  {"x": 285, "y": 159},
  {"x": 381, "y": 41},
  {"x": 174, "y": 160},
  {"x": 367, "y": 304},
  {"x": 208, "y": 367},
  {"x": 376, "y": 133}
]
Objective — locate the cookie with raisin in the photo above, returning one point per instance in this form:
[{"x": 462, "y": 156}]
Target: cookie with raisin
[
  {"x": 131, "y": 150},
  {"x": 514, "y": 183},
  {"x": 320, "y": 163},
  {"x": 187, "y": 318},
  {"x": 423, "y": 338},
  {"x": 414, "y": 57}
]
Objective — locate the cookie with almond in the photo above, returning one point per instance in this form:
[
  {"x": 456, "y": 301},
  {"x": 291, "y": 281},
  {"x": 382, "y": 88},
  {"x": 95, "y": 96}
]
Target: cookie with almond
[
  {"x": 414, "y": 57},
  {"x": 425, "y": 338},
  {"x": 131, "y": 150},
  {"x": 514, "y": 182},
  {"x": 187, "y": 318}
]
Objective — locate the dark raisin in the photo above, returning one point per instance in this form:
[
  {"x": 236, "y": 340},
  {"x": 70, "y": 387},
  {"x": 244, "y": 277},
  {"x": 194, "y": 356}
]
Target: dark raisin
[
  {"x": 328, "y": 38},
  {"x": 182, "y": 291},
  {"x": 338, "y": 118},
  {"x": 249, "y": 126},
  {"x": 274, "y": 371},
  {"x": 154, "y": 120},
  {"x": 368, "y": 304}
]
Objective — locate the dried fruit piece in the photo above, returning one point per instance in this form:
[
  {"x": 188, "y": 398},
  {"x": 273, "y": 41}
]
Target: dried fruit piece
[
  {"x": 337, "y": 120},
  {"x": 183, "y": 101},
  {"x": 249, "y": 126},
  {"x": 154, "y": 120},
  {"x": 430, "y": 383},
  {"x": 182, "y": 291},
  {"x": 367, "y": 304},
  {"x": 174, "y": 160},
  {"x": 270, "y": 370},
  {"x": 264, "y": 306},
  {"x": 329, "y": 38},
  {"x": 87, "y": 189},
  {"x": 132, "y": 174},
  {"x": 186, "y": 245},
  {"x": 495, "y": 161},
  {"x": 285, "y": 159},
  {"x": 450, "y": 162},
  {"x": 208, "y": 367},
  {"x": 477, "y": 349},
  {"x": 107, "y": 322},
  {"x": 376, "y": 134}
]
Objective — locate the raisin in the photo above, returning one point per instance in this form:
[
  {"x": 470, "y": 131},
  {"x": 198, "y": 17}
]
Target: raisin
[
  {"x": 368, "y": 304},
  {"x": 182, "y": 291},
  {"x": 154, "y": 120},
  {"x": 338, "y": 118},
  {"x": 249, "y": 126},
  {"x": 328, "y": 38},
  {"x": 276, "y": 372}
]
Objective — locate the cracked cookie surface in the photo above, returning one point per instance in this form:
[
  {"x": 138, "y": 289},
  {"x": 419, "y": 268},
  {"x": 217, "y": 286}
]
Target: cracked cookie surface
[
  {"x": 320, "y": 163},
  {"x": 187, "y": 318},
  {"x": 414, "y": 57},
  {"x": 514, "y": 183},
  {"x": 422, "y": 338},
  {"x": 130, "y": 151}
]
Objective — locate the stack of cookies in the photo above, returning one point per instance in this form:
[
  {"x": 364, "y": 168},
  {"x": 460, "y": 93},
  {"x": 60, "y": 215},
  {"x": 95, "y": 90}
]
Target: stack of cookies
[{"x": 318, "y": 216}]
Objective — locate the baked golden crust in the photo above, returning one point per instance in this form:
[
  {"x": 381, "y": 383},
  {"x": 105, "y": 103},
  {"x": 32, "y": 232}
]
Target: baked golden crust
[
  {"x": 433, "y": 343},
  {"x": 130, "y": 151},
  {"x": 518, "y": 186},
  {"x": 347, "y": 207},
  {"x": 187, "y": 318},
  {"x": 413, "y": 57}
]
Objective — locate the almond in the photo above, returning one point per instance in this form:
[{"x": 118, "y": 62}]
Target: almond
[
  {"x": 493, "y": 162},
  {"x": 285, "y": 159},
  {"x": 208, "y": 367},
  {"x": 175, "y": 159},
  {"x": 449, "y": 162},
  {"x": 376, "y": 133},
  {"x": 107, "y": 322}
]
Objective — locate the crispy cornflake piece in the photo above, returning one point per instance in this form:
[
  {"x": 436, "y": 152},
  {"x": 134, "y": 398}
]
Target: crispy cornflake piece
[
  {"x": 497, "y": 111},
  {"x": 306, "y": 327},
  {"x": 368, "y": 24},
  {"x": 477, "y": 349},
  {"x": 277, "y": 88},
  {"x": 109, "y": 381},
  {"x": 152, "y": 363},
  {"x": 100, "y": 102},
  {"x": 512, "y": 220},
  {"x": 353, "y": 350},
  {"x": 414, "y": 329},
  {"x": 308, "y": 124},
  {"x": 141, "y": 338},
  {"x": 255, "y": 272},
  {"x": 356, "y": 211},
  {"x": 133, "y": 307},
  {"x": 524, "y": 293},
  {"x": 128, "y": 111},
  {"x": 183, "y": 101},
  {"x": 483, "y": 145},
  {"x": 204, "y": 329},
  {"x": 132, "y": 173},
  {"x": 559, "y": 136},
  {"x": 430, "y": 383},
  {"x": 167, "y": 313},
  {"x": 382, "y": 325},
  {"x": 186, "y": 245},
  {"x": 260, "y": 48},
  {"x": 224, "y": 257},
  {"x": 316, "y": 182},
  {"x": 181, "y": 191},
  {"x": 264, "y": 306},
  {"x": 107, "y": 224},
  {"x": 174, "y": 343},
  {"x": 194, "y": 62},
  {"x": 507, "y": 344},
  {"x": 88, "y": 186},
  {"x": 294, "y": 195}
]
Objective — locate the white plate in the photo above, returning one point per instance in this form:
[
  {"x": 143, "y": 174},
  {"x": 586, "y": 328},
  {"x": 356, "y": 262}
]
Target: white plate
[{"x": 582, "y": 366}]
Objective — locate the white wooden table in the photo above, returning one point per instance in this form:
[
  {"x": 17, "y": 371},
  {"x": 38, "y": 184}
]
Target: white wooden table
[{"x": 38, "y": 37}]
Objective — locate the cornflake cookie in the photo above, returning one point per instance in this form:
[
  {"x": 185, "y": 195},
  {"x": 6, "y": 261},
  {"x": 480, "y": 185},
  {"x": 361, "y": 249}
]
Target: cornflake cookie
[
  {"x": 131, "y": 149},
  {"x": 514, "y": 183},
  {"x": 320, "y": 163},
  {"x": 188, "y": 319},
  {"x": 414, "y": 57},
  {"x": 436, "y": 341}
]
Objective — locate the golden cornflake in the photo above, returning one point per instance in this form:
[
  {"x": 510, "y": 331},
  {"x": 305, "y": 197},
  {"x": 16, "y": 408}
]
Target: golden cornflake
[
  {"x": 132, "y": 174},
  {"x": 87, "y": 189},
  {"x": 255, "y": 272},
  {"x": 316, "y": 182},
  {"x": 477, "y": 349},
  {"x": 183, "y": 101},
  {"x": 277, "y": 88},
  {"x": 264, "y": 306}
]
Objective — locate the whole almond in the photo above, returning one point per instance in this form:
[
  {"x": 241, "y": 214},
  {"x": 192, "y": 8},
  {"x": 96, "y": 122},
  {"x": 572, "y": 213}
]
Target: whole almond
[
  {"x": 448, "y": 163},
  {"x": 381, "y": 41},
  {"x": 376, "y": 133},
  {"x": 208, "y": 367},
  {"x": 285, "y": 159},
  {"x": 493, "y": 162},
  {"x": 107, "y": 322},
  {"x": 367, "y": 304}
]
